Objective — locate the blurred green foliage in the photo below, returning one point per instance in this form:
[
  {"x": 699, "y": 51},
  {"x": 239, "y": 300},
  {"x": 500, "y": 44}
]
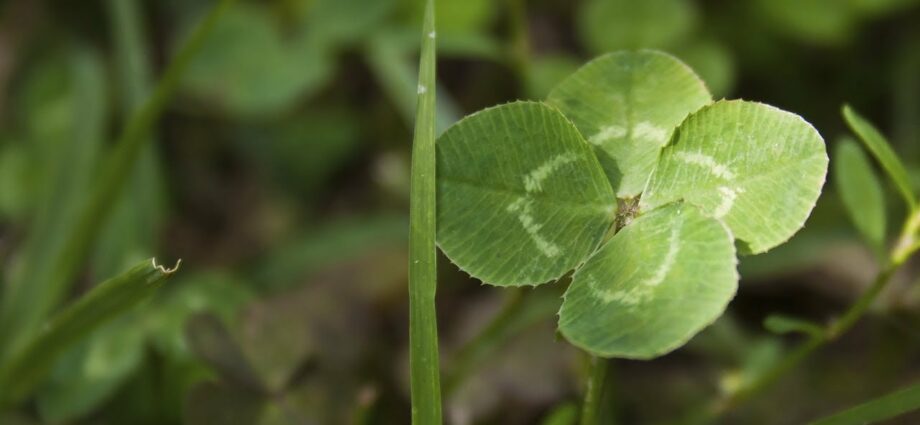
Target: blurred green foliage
[{"x": 280, "y": 175}]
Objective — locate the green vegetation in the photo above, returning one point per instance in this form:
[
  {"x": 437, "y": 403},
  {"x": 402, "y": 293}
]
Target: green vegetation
[{"x": 468, "y": 212}]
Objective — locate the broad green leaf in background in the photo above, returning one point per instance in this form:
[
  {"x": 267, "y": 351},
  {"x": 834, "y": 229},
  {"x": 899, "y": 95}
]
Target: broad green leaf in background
[
  {"x": 627, "y": 104},
  {"x": 713, "y": 61},
  {"x": 607, "y": 25},
  {"x": 828, "y": 22},
  {"x": 458, "y": 16},
  {"x": 876, "y": 143},
  {"x": 814, "y": 21},
  {"x": 521, "y": 197},
  {"x": 861, "y": 192},
  {"x": 302, "y": 154},
  {"x": 250, "y": 70},
  {"x": 874, "y": 411},
  {"x": 654, "y": 285},
  {"x": 340, "y": 23},
  {"x": 755, "y": 167},
  {"x": 92, "y": 371},
  {"x": 547, "y": 71},
  {"x": 26, "y": 368}
]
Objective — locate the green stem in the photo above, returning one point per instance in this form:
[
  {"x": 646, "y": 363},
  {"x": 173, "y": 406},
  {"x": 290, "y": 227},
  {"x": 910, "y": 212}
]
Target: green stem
[
  {"x": 905, "y": 246},
  {"x": 423, "y": 329},
  {"x": 595, "y": 389}
]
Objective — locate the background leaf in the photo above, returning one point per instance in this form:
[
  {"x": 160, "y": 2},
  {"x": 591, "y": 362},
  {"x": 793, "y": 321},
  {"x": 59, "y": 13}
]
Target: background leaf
[
  {"x": 607, "y": 25},
  {"x": 876, "y": 143},
  {"x": 658, "y": 282},
  {"x": 521, "y": 197},
  {"x": 861, "y": 192},
  {"x": 756, "y": 167}
]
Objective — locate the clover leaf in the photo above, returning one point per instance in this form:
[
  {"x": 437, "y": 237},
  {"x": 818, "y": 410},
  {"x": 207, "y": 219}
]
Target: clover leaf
[{"x": 671, "y": 180}]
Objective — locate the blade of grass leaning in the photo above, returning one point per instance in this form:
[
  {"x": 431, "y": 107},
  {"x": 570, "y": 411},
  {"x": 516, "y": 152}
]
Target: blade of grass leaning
[
  {"x": 423, "y": 330},
  {"x": 25, "y": 309},
  {"x": 886, "y": 407},
  {"x": 28, "y": 366},
  {"x": 877, "y": 144}
]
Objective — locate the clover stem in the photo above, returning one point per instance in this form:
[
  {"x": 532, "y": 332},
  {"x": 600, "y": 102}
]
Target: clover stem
[
  {"x": 596, "y": 376},
  {"x": 905, "y": 246}
]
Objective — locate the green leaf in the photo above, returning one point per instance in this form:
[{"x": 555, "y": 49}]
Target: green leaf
[
  {"x": 341, "y": 23},
  {"x": 654, "y": 285},
  {"x": 714, "y": 63},
  {"x": 756, "y": 167},
  {"x": 861, "y": 192},
  {"x": 876, "y": 143},
  {"x": 627, "y": 105},
  {"x": 879, "y": 409},
  {"x": 29, "y": 365},
  {"x": 250, "y": 70},
  {"x": 782, "y": 324},
  {"x": 521, "y": 197},
  {"x": 458, "y": 16},
  {"x": 425, "y": 386},
  {"x": 546, "y": 72},
  {"x": 607, "y": 25},
  {"x": 92, "y": 371}
]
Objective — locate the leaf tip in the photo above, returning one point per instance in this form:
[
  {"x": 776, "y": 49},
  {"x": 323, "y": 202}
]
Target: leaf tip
[{"x": 164, "y": 270}]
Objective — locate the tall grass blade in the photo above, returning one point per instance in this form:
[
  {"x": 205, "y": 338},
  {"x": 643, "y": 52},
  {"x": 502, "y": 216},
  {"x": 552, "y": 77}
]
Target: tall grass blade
[{"x": 423, "y": 331}]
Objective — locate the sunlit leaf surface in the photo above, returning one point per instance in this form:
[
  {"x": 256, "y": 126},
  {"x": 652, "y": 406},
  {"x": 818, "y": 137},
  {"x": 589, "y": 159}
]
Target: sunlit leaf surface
[
  {"x": 658, "y": 282},
  {"x": 521, "y": 197}
]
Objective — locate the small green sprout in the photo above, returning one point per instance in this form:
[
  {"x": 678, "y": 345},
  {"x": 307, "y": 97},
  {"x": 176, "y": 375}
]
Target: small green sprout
[{"x": 630, "y": 175}]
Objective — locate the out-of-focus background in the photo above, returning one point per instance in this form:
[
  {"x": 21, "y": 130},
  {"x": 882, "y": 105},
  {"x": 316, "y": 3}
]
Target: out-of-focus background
[{"x": 279, "y": 174}]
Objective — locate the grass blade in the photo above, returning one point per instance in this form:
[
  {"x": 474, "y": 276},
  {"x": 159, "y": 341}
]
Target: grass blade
[
  {"x": 881, "y": 150},
  {"x": 26, "y": 368},
  {"x": 23, "y": 309},
  {"x": 888, "y": 406},
  {"x": 423, "y": 330}
]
